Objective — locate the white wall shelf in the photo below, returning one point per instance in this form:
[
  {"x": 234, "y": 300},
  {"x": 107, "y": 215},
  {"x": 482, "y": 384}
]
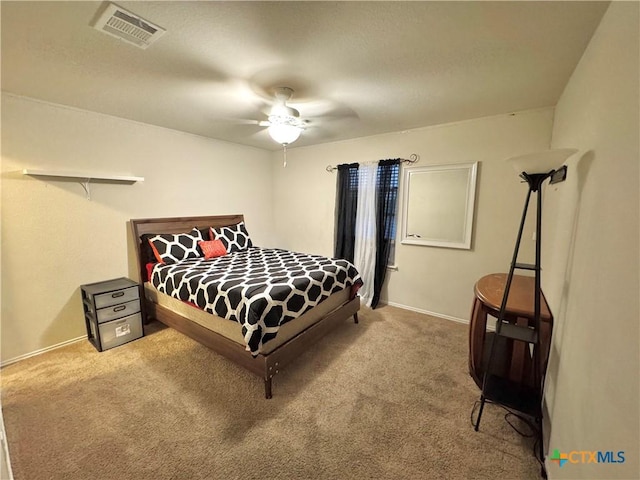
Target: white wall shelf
[{"x": 82, "y": 177}]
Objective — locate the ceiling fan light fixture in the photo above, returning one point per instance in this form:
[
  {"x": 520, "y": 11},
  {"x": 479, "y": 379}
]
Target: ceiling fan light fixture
[
  {"x": 284, "y": 129},
  {"x": 283, "y": 133}
]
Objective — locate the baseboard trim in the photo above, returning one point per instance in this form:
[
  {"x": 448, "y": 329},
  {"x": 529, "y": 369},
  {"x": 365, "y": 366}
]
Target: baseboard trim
[
  {"x": 546, "y": 434},
  {"x": 427, "y": 312},
  {"x": 41, "y": 351},
  {"x": 78, "y": 339},
  {"x": 5, "y": 468}
]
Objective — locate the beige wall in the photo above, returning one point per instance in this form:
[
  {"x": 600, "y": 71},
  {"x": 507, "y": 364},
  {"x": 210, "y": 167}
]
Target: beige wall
[
  {"x": 430, "y": 279},
  {"x": 54, "y": 239},
  {"x": 591, "y": 256},
  {"x": 47, "y": 225}
]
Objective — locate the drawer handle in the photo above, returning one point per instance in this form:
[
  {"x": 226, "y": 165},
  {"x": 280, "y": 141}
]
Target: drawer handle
[
  {"x": 117, "y": 294},
  {"x": 119, "y": 308}
]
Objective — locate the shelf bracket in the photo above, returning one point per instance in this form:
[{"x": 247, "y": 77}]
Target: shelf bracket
[{"x": 87, "y": 190}]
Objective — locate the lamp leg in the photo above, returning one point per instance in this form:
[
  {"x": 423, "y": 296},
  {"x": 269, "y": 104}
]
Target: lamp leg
[{"x": 477, "y": 425}]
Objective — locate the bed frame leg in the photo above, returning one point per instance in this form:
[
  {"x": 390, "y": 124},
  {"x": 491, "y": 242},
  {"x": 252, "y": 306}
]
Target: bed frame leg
[
  {"x": 267, "y": 388},
  {"x": 355, "y": 317}
]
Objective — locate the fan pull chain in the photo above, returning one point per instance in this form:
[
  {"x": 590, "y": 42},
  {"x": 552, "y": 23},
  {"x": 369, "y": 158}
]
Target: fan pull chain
[{"x": 284, "y": 154}]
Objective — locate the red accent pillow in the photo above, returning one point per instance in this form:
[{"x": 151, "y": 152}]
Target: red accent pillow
[
  {"x": 212, "y": 248},
  {"x": 155, "y": 253},
  {"x": 149, "y": 270}
]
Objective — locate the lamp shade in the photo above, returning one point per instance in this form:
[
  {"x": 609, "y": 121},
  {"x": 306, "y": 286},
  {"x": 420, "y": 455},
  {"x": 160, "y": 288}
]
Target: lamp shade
[
  {"x": 541, "y": 162},
  {"x": 284, "y": 133}
]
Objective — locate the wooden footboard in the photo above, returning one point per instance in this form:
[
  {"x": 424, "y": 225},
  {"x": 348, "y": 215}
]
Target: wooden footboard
[{"x": 266, "y": 366}]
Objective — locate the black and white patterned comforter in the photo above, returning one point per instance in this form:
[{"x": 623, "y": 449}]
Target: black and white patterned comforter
[{"x": 259, "y": 288}]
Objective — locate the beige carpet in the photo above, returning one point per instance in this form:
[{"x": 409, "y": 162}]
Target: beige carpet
[{"x": 389, "y": 398}]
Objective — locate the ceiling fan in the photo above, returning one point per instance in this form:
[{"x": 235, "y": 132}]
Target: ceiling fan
[{"x": 284, "y": 123}]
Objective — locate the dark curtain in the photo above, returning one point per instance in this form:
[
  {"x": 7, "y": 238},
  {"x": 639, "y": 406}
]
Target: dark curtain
[
  {"x": 386, "y": 203},
  {"x": 346, "y": 206}
]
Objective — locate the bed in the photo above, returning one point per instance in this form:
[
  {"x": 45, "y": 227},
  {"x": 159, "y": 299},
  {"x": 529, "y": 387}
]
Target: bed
[{"x": 190, "y": 294}]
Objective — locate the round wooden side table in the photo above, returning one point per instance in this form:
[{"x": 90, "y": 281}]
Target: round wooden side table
[{"x": 517, "y": 357}]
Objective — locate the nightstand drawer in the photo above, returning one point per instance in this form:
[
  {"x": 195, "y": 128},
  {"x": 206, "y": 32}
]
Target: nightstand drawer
[
  {"x": 117, "y": 297},
  {"x": 118, "y": 311},
  {"x": 120, "y": 331}
]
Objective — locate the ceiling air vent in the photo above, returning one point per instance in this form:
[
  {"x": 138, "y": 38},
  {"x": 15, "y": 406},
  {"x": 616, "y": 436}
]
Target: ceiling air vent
[{"x": 127, "y": 26}]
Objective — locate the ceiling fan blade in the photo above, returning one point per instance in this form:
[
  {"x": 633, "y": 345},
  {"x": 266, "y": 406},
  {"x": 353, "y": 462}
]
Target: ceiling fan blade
[
  {"x": 230, "y": 121},
  {"x": 327, "y": 110},
  {"x": 259, "y": 134},
  {"x": 244, "y": 121}
]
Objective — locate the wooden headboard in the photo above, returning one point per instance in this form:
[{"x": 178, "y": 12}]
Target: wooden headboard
[{"x": 175, "y": 225}]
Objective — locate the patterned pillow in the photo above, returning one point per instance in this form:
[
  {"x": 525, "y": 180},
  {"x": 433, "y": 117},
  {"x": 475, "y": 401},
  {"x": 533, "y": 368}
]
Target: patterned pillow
[
  {"x": 212, "y": 248},
  {"x": 234, "y": 238},
  {"x": 171, "y": 248}
]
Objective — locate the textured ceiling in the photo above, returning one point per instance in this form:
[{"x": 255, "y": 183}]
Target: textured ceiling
[{"x": 357, "y": 68}]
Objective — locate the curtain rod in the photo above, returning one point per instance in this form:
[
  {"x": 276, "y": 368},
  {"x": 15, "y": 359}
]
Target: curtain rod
[{"x": 413, "y": 158}]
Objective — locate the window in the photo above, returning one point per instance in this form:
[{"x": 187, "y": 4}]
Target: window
[{"x": 391, "y": 198}]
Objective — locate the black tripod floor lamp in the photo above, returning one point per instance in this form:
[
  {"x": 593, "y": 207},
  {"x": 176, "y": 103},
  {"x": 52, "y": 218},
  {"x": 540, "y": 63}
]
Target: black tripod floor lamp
[{"x": 534, "y": 169}]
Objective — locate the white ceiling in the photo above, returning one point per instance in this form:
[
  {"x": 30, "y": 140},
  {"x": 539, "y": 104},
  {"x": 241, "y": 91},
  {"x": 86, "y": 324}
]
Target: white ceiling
[{"x": 357, "y": 68}]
